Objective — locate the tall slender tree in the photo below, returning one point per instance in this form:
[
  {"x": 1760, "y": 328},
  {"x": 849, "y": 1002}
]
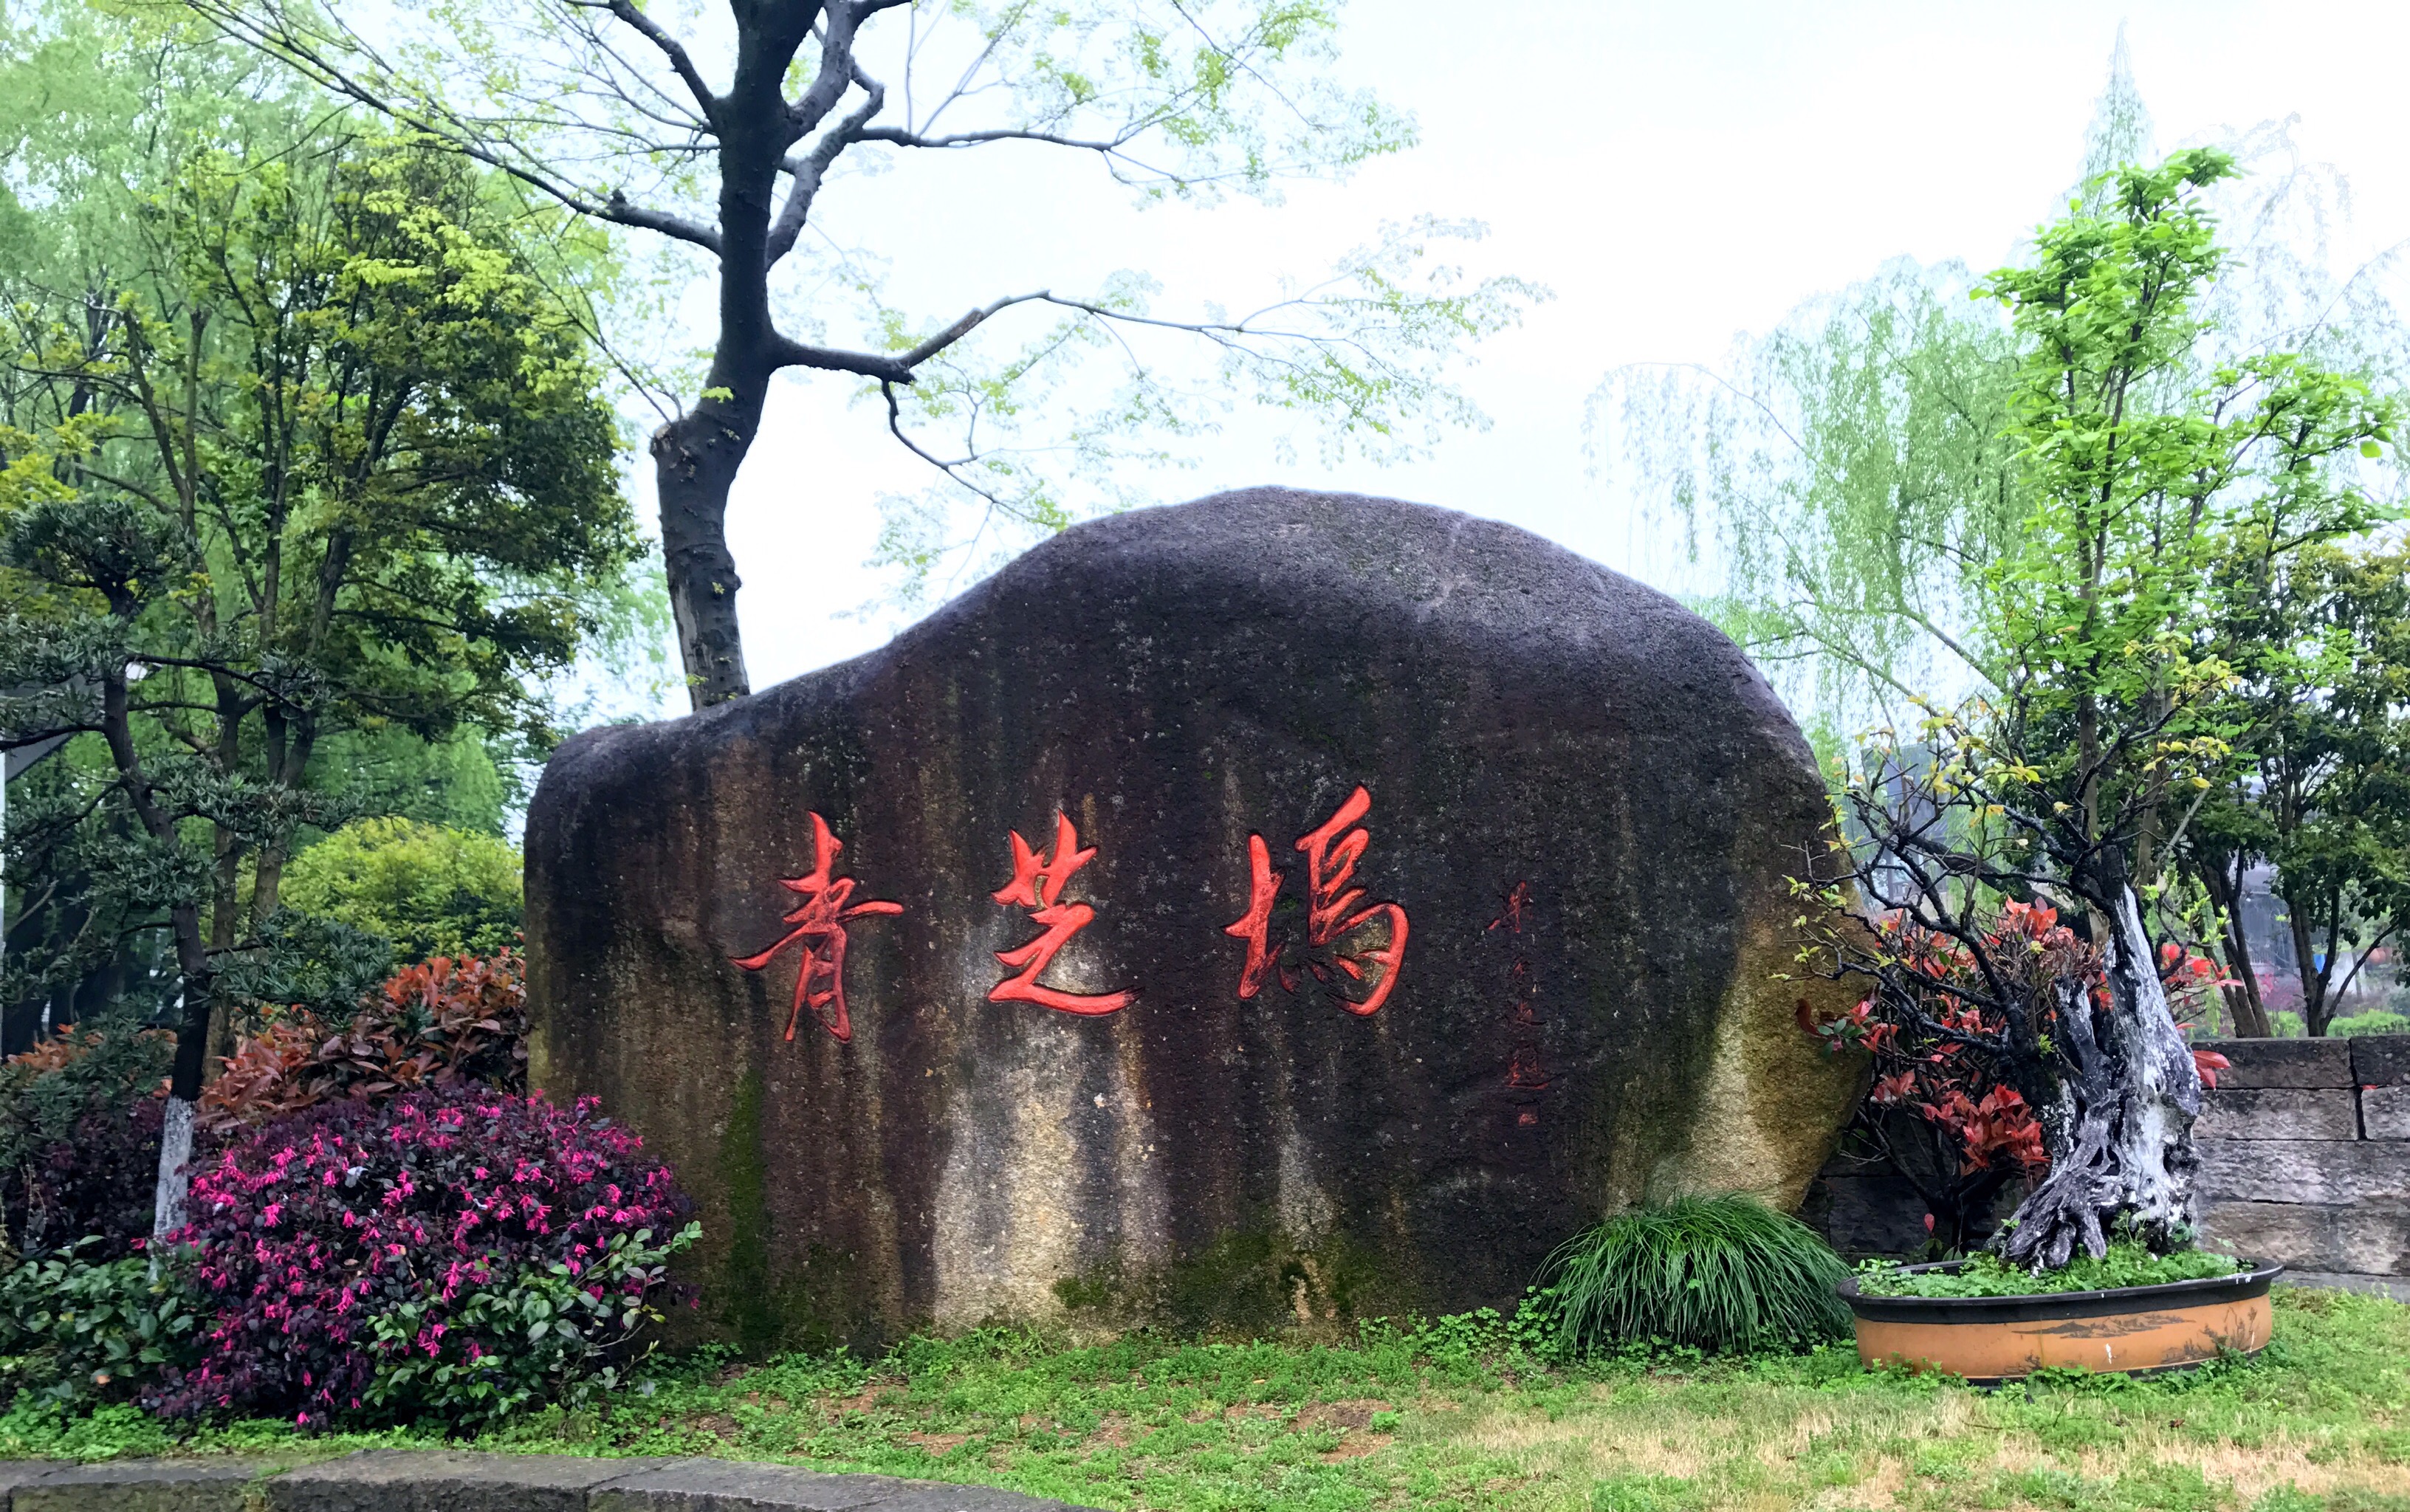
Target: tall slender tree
[
  {"x": 2065, "y": 794},
  {"x": 722, "y": 127}
]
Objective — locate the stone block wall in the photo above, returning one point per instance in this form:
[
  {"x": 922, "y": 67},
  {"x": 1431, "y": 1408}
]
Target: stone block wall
[
  {"x": 2305, "y": 1154},
  {"x": 2305, "y": 1159}
]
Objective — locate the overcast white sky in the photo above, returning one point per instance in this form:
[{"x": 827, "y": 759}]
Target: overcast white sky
[{"x": 1678, "y": 173}]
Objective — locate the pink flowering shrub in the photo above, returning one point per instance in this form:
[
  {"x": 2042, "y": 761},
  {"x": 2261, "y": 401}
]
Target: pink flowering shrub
[{"x": 448, "y": 1255}]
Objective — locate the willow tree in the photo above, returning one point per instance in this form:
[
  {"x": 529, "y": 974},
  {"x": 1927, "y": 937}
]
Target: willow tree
[
  {"x": 1843, "y": 487},
  {"x": 1843, "y": 484},
  {"x": 722, "y": 128}
]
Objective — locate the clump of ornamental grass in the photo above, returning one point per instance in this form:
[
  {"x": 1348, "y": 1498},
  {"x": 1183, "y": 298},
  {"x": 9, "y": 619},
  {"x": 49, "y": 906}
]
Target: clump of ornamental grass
[{"x": 1713, "y": 1273}]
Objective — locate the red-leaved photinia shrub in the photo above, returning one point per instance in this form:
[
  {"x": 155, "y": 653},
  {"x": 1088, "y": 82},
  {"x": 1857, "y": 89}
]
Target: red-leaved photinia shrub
[
  {"x": 451, "y": 1253},
  {"x": 1942, "y": 1048},
  {"x": 430, "y": 1025}
]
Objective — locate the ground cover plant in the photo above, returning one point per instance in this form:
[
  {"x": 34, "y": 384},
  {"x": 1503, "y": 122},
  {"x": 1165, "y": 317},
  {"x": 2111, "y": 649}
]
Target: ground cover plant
[
  {"x": 1454, "y": 1416},
  {"x": 1986, "y": 1274}
]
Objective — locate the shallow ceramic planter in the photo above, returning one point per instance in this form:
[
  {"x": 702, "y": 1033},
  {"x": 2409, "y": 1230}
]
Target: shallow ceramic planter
[{"x": 2133, "y": 1329}]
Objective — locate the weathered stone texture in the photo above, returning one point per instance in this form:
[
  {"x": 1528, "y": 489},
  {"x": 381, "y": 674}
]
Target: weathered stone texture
[
  {"x": 2364, "y": 1239},
  {"x": 2283, "y": 1063},
  {"x": 138, "y": 1485},
  {"x": 2381, "y": 1060},
  {"x": 414, "y": 1480},
  {"x": 1174, "y": 681},
  {"x": 2385, "y": 1113},
  {"x": 2279, "y": 1113},
  {"x": 410, "y": 1480},
  {"x": 2319, "y": 1171},
  {"x": 721, "y": 1486}
]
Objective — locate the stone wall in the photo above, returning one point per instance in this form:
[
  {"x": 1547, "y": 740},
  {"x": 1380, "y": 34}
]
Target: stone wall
[
  {"x": 2305, "y": 1153},
  {"x": 2305, "y": 1159}
]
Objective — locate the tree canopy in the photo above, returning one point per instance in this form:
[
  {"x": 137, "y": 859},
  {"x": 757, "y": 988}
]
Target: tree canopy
[
  {"x": 725, "y": 130},
  {"x": 300, "y": 446}
]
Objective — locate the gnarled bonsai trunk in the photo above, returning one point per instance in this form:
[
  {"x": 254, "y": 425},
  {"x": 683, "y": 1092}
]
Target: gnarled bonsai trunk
[{"x": 2120, "y": 1130}]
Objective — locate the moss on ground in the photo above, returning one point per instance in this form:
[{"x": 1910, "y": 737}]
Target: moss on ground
[{"x": 1454, "y": 1416}]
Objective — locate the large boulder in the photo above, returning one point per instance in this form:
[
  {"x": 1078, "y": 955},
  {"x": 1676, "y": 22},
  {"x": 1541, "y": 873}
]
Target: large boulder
[{"x": 1284, "y": 906}]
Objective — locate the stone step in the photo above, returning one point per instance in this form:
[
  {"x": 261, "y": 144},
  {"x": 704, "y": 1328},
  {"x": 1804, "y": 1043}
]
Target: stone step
[{"x": 439, "y": 1481}]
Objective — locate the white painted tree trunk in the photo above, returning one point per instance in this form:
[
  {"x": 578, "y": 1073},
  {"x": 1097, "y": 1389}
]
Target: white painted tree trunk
[
  {"x": 175, "y": 1175},
  {"x": 2120, "y": 1134},
  {"x": 2162, "y": 1093}
]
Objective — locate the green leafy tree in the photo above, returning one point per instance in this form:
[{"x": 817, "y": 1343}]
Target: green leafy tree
[
  {"x": 720, "y": 128},
  {"x": 2113, "y": 656},
  {"x": 2322, "y": 697},
  {"x": 1841, "y": 487},
  {"x": 2105, "y": 638},
  {"x": 330, "y": 455},
  {"x": 466, "y": 782},
  {"x": 427, "y": 889}
]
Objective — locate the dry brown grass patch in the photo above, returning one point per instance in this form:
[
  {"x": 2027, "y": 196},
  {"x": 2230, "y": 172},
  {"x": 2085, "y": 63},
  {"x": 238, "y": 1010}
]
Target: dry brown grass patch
[{"x": 1354, "y": 1414}]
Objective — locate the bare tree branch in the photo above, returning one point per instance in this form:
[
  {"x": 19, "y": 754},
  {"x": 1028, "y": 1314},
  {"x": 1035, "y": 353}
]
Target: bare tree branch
[{"x": 672, "y": 48}]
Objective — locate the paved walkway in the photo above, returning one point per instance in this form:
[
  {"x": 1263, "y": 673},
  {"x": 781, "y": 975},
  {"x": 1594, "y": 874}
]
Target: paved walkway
[{"x": 411, "y": 1480}]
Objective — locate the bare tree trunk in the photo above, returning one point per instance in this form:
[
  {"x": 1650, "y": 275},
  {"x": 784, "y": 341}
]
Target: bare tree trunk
[
  {"x": 2120, "y": 1131},
  {"x": 192, "y": 963},
  {"x": 695, "y": 458},
  {"x": 2242, "y": 998},
  {"x": 2315, "y": 969}
]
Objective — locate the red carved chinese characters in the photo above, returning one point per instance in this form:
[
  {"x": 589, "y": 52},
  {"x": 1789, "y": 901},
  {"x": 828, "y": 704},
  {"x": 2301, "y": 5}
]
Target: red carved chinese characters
[
  {"x": 1345, "y": 942},
  {"x": 819, "y": 925},
  {"x": 1037, "y": 885}
]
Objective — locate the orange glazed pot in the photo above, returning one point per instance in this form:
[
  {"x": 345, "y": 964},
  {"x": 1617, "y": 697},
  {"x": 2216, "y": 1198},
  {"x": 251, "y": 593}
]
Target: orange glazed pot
[{"x": 2133, "y": 1329}]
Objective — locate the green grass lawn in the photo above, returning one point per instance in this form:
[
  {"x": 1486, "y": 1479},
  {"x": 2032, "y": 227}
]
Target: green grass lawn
[{"x": 1452, "y": 1416}]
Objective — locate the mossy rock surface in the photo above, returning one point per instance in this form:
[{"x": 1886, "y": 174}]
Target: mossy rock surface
[{"x": 1582, "y": 801}]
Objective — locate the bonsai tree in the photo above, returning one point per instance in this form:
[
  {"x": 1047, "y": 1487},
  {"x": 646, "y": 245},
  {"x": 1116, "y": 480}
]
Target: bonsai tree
[
  {"x": 2012, "y": 856},
  {"x": 2015, "y": 1001}
]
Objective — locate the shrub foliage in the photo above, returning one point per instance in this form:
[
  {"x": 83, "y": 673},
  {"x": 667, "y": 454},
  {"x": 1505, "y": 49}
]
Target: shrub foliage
[
  {"x": 76, "y": 1329},
  {"x": 1703, "y": 1273},
  {"x": 440, "y": 1024},
  {"x": 429, "y": 889},
  {"x": 79, "y": 1141},
  {"x": 446, "y": 1254}
]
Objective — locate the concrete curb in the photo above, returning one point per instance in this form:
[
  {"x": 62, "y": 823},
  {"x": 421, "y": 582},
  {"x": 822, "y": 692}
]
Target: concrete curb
[{"x": 441, "y": 1480}]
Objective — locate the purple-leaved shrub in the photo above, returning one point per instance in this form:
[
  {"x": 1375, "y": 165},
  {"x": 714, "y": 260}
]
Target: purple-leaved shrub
[{"x": 451, "y": 1253}]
